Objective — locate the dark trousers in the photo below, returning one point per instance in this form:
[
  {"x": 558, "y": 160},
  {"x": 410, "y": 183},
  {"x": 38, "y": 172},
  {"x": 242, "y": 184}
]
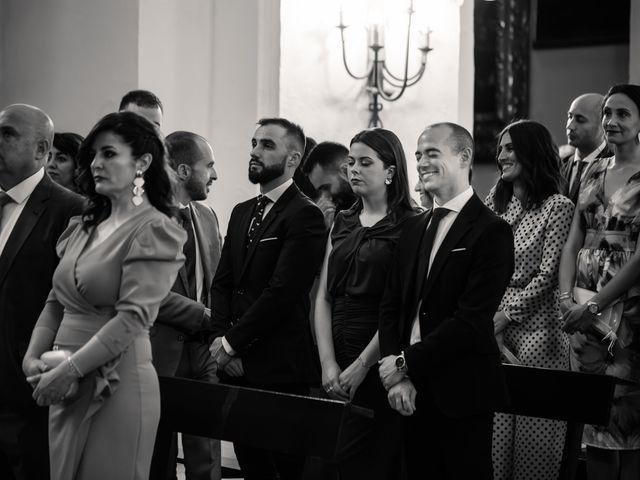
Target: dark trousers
[
  {"x": 446, "y": 448},
  {"x": 24, "y": 447},
  {"x": 261, "y": 464},
  {"x": 201, "y": 454}
]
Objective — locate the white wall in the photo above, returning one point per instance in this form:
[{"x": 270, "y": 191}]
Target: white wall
[
  {"x": 559, "y": 75},
  {"x": 634, "y": 43},
  {"x": 316, "y": 91},
  {"x": 72, "y": 58}
]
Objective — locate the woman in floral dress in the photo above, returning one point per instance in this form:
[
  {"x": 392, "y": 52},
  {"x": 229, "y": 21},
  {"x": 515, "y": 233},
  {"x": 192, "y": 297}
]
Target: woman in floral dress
[{"x": 602, "y": 256}]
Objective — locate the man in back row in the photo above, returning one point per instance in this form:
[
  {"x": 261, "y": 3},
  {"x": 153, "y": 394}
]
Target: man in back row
[{"x": 144, "y": 103}]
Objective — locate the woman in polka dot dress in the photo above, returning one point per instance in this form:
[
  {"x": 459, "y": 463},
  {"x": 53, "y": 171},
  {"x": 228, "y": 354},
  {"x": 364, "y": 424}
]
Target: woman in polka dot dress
[
  {"x": 528, "y": 320},
  {"x": 603, "y": 255}
]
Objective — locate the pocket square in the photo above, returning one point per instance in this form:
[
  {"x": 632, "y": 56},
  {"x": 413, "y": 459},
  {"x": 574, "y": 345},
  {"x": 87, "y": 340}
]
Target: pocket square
[
  {"x": 268, "y": 239},
  {"x": 459, "y": 250}
]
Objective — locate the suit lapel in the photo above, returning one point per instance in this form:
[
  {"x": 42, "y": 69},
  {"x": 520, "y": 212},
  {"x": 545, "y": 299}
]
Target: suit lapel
[
  {"x": 35, "y": 207},
  {"x": 268, "y": 221},
  {"x": 460, "y": 227},
  {"x": 422, "y": 263}
]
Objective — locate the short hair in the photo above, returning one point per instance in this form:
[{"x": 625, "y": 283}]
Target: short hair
[
  {"x": 325, "y": 155},
  {"x": 142, "y": 137},
  {"x": 294, "y": 131},
  {"x": 538, "y": 154},
  {"x": 68, "y": 143},
  {"x": 182, "y": 147},
  {"x": 387, "y": 146},
  {"x": 629, "y": 89},
  {"x": 460, "y": 137},
  {"x": 141, "y": 98}
]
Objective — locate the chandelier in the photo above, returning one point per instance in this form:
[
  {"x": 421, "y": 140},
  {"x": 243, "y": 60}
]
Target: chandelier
[{"x": 381, "y": 84}]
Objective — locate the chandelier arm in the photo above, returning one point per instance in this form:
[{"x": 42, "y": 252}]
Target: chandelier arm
[
  {"x": 393, "y": 98},
  {"x": 412, "y": 80},
  {"x": 344, "y": 59}
]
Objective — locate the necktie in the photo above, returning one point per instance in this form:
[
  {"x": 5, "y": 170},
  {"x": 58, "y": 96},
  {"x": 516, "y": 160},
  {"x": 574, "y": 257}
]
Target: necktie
[
  {"x": 256, "y": 220},
  {"x": 5, "y": 198},
  {"x": 575, "y": 185},
  {"x": 189, "y": 251},
  {"x": 430, "y": 235}
]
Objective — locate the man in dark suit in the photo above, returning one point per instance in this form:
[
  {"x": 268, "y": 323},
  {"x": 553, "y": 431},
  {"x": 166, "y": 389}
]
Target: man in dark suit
[
  {"x": 441, "y": 364},
  {"x": 179, "y": 337},
  {"x": 34, "y": 211},
  {"x": 270, "y": 257},
  {"x": 584, "y": 132}
]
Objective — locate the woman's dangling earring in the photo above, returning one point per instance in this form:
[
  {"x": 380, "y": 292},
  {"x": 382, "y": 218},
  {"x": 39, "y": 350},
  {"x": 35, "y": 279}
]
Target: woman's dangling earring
[
  {"x": 138, "y": 190},
  {"x": 387, "y": 181}
]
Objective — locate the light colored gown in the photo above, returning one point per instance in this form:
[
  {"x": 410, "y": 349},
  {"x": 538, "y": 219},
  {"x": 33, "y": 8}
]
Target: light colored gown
[{"x": 111, "y": 291}]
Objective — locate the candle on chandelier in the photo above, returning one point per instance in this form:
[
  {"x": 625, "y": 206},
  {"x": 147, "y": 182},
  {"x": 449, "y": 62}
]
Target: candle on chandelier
[{"x": 376, "y": 35}]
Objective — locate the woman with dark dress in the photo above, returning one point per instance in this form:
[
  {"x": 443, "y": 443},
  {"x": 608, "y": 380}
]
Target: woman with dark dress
[{"x": 359, "y": 253}]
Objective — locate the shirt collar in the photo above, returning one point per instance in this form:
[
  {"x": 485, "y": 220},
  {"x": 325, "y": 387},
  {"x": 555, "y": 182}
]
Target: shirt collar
[
  {"x": 457, "y": 202},
  {"x": 277, "y": 192},
  {"x": 20, "y": 192},
  {"x": 592, "y": 156}
]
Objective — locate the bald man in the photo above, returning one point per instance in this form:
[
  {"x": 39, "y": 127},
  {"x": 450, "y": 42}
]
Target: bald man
[
  {"x": 584, "y": 132},
  {"x": 33, "y": 213}
]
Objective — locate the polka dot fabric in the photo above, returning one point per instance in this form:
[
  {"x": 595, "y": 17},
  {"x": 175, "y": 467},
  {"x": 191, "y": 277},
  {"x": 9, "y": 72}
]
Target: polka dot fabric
[{"x": 525, "y": 447}]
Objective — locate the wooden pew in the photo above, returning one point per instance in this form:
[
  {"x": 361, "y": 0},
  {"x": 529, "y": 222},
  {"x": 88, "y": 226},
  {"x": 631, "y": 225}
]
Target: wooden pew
[{"x": 316, "y": 427}]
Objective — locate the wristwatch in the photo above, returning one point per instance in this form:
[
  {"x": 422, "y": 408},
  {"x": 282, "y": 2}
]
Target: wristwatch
[
  {"x": 593, "y": 308},
  {"x": 401, "y": 363}
]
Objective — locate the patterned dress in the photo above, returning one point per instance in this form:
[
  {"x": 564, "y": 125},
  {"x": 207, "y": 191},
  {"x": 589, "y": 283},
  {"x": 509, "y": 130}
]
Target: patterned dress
[
  {"x": 611, "y": 234},
  {"x": 524, "y": 447}
]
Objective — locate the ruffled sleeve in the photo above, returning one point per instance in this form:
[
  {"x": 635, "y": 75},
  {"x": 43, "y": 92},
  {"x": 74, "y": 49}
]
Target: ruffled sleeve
[{"x": 149, "y": 270}]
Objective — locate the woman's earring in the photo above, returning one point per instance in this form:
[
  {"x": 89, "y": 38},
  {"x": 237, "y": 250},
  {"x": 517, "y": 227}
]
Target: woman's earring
[
  {"x": 387, "y": 181},
  {"x": 138, "y": 190}
]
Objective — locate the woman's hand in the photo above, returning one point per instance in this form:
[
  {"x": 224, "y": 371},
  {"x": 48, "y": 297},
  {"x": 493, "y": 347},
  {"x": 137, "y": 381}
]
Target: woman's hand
[
  {"x": 32, "y": 366},
  {"x": 352, "y": 377},
  {"x": 331, "y": 381},
  {"x": 500, "y": 322},
  {"x": 566, "y": 304},
  {"x": 54, "y": 386},
  {"x": 577, "y": 319}
]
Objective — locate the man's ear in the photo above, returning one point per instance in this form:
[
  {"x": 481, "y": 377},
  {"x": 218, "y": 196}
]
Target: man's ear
[
  {"x": 294, "y": 159},
  {"x": 466, "y": 155},
  {"x": 43, "y": 146},
  {"x": 143, "y": 162},
  {"x": 183, "y": 172}
]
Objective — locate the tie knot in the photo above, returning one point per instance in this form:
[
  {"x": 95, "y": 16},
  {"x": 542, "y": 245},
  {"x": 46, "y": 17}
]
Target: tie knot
[
  {"x": 5, "y": 198},
  {"x": 439, "y": 213},
  {"x": 263, "y": 200},
  {"x": 185, "y": 215}
]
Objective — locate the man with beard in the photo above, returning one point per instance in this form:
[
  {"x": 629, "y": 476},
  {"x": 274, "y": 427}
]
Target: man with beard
[
  {"x": 271, "y": 254},
  {"x": 325, "y": 169},
  {"x": 179, "y": 337}
]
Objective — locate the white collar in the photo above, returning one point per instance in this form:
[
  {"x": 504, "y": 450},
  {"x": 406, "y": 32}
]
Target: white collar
[
  {"x": 20, "y": 192},
  {"x": 277, "y": 192},
  {"x": 457, "y": 202}
]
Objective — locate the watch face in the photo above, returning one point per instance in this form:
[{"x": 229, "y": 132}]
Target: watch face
[
  {"x": 593, "y": 308},
  {"x": 400, "y": 362}
]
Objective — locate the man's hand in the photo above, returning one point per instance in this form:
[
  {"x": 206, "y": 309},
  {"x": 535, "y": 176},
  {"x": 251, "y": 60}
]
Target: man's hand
[
  {"x": 578, "y": 319},
  {"x": 389, "y": 374},
  {"x": 402, "y": 397},
  {"x": 219, "y": 354},
  {"x": 234, "y": 367}
]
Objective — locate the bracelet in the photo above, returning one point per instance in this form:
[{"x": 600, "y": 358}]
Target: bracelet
[
  {"x": 73, "y": 368},
  {"x": 364, "y": 365},
  {"x": 565, "y": 296}
]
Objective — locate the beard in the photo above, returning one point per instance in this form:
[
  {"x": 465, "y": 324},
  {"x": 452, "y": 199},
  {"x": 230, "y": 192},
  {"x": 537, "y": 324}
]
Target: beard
[
  {"x": 344, "y": 197},
  {"x": 265, "y": 174},
  {"x": 196, "y": 190}
]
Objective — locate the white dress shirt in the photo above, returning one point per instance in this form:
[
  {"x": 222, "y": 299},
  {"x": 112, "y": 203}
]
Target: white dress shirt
[
  {"x": 455, "y": 205},
  {"x": 20, "y": 194}
]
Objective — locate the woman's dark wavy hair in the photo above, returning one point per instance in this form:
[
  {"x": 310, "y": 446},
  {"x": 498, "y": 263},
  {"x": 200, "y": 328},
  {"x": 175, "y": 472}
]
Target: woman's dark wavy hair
[
  {"x": 388, "y": 147},
  {"x": 538, "y": 155},
  {"x": 142, "y": 137},
  {"x": 629, "y": 89}
]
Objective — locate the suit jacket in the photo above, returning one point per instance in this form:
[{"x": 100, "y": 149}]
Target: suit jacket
[
  {"x": 180, "y": 316},
  {"x": 27, "y": 264},
  {"x": 457, "y": 362},
  {"x": 261, "y": 293},
  {"x": 566, "y": 165}
]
